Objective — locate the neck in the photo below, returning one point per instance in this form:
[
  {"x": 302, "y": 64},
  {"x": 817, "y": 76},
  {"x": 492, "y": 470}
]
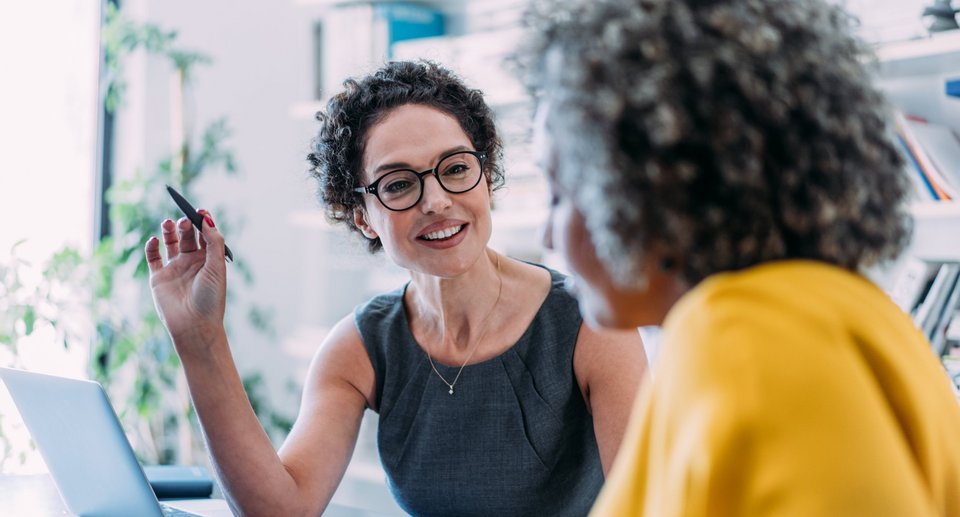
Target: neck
[{"x": 453, "y": 312}]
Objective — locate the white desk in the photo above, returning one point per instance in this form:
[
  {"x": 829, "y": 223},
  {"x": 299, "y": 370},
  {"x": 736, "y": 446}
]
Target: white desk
[{"x": 37, "y": 496}]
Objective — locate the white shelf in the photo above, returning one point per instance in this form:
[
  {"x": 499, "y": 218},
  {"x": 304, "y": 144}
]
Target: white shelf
[
  {"x": 912, "y": 74},
  {"x": 936, "y": 233},
  {"x": 477, "y": 57},
  {"x": 933, "y": 55}
]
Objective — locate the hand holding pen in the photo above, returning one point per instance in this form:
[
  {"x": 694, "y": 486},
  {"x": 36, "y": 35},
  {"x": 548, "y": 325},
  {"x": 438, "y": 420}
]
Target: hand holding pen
[
  {"x": 189, "y": 288},
  {"x": 195, "y": 217}
]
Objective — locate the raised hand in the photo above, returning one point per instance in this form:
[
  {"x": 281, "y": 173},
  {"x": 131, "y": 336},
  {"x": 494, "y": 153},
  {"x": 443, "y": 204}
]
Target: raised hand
[{"x": 189, "y": 290}]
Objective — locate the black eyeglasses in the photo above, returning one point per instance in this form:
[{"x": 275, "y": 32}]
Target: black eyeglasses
[{"x": 402, "y": 189}]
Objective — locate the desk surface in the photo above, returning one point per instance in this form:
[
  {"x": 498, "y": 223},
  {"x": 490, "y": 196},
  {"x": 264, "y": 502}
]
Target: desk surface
[{"x": 37, "y": 496}]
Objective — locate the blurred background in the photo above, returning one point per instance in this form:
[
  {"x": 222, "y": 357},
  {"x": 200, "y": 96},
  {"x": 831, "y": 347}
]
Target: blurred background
[{"x": 105, "y": 102}]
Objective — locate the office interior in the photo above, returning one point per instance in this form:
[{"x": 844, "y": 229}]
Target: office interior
[{"x": 266, "y": 68}]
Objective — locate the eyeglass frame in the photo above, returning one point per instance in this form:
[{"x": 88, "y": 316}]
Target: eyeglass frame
[{"x": 481, "y": 157}]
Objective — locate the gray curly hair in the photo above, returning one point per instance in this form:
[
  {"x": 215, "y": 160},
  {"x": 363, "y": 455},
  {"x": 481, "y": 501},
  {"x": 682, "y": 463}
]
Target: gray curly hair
[{"x": 719, "y": 134}]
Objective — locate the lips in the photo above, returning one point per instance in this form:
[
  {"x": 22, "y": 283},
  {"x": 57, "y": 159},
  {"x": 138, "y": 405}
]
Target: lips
[
  {"x": 442, "y": 234},
  {"x": 442, "y": 230}
]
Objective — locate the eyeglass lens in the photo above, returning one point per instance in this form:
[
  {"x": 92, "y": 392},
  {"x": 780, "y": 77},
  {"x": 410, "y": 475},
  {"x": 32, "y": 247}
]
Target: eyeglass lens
[{"x": 401, "y": 189}]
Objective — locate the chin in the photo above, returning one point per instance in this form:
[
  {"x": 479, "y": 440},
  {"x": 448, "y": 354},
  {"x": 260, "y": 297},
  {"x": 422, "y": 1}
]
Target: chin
[{"x": 600, "y": 311}]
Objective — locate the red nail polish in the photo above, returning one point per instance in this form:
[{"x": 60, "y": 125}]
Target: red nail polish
[{"x": 209, "y": 220}]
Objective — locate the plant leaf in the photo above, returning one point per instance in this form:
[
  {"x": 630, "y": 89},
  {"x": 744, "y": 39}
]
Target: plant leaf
[{"x": 29, "y": 318}]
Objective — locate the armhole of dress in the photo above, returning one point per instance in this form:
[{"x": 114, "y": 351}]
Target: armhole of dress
[{"x": 373, "y": 354}]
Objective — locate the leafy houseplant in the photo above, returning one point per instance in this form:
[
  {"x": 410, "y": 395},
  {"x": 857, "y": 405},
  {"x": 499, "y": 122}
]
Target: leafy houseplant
[{"x": 131, "y": 352}]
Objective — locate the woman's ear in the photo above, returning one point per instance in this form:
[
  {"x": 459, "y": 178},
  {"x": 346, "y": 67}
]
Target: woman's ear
[{"x": 360, "y": 220}]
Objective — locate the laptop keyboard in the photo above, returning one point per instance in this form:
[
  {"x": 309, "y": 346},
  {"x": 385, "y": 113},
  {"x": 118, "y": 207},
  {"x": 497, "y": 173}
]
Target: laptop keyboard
[{"x": 169, "y": 511}]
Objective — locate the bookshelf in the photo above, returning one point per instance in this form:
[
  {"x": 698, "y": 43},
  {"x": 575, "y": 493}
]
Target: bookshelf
[
  {"x": 914, "y": 75},
  {"x": 924, "y": 56}
]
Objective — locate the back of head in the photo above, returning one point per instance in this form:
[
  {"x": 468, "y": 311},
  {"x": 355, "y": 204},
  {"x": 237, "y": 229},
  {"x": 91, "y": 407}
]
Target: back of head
[
  {"x": 720, "y": 134},
  {"x": 337, "y": 151}
]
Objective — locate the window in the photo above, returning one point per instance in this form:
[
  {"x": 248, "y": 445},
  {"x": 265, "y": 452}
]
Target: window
[{"x": 49, "y": 52}]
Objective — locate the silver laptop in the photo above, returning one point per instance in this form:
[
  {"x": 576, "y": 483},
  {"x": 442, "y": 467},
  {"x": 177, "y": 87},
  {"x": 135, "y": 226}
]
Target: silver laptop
[{"x": 82, "y": 443}]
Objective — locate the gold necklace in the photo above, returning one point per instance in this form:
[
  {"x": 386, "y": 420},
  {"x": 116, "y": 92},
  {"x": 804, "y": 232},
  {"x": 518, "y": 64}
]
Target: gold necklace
[{"x": 476, "y": 345}]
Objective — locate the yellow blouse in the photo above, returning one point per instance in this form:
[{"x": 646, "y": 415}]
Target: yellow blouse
[{"x": 790, "y": 389}]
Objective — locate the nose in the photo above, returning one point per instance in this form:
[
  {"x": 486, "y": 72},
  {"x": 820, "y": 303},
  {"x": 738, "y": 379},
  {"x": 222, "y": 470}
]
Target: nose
[
  {"x": 546, "y": 235},
  {"x": 435, "y": 199}
]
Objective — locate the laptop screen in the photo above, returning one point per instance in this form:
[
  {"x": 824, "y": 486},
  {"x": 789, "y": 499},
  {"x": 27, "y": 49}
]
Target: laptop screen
[{"x": 82, "y": 443}]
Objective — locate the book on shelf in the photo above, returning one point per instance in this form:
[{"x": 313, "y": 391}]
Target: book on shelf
[
  {"x": 939, "y": 338},
  {"x": 933, "y": 154},
  {"x": 943, "y": 147},
  {"x": 952, "y": 365},
  {"x": 952, "y": 332},
  {"x": 912, "y": 282},
  {"x": 922, "y": 189},
  {"x": 931, "y": 309},
  {"x": 951, "y": 362}
]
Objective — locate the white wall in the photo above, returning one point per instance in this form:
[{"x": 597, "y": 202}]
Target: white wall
[{"x": 261, "y": 52}]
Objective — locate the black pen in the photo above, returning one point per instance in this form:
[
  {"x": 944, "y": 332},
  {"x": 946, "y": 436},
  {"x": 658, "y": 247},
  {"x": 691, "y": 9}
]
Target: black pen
[{"x": 194, "y": 217}]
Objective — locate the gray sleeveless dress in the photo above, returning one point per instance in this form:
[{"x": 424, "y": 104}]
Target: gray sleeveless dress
[{"x": 515, "y": 438}]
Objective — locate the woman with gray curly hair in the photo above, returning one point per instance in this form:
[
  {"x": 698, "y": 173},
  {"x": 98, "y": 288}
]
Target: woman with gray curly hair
[
  {"x": 494, "y": 399},
  {"x": 724, "y": 168}
]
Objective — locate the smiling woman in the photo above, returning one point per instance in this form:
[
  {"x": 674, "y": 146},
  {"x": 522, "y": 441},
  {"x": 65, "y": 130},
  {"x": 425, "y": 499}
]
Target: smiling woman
[{"x": 493, "y": 396}]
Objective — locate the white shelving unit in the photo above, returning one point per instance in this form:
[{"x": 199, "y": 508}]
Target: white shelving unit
[{"x": 913, "y": 75}]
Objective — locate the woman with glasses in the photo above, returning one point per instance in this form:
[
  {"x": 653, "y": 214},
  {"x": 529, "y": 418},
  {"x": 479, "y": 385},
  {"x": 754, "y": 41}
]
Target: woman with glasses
[
  {"x": 725, "y": 168},
  {"x": 493, "y": 398}
]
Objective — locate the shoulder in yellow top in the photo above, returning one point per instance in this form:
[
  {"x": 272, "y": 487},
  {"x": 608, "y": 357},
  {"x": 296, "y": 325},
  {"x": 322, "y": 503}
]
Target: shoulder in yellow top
[{"x": 790, "y": 389}]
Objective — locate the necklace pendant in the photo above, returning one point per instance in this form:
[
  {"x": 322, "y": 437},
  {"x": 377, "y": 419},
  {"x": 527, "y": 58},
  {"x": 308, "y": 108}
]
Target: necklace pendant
[{"x": 451, "y": 391}]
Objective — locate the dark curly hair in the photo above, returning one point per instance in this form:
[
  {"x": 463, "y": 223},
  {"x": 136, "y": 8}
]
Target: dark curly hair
[
  {"x": 720, "y": 134},
  {"x": 337, "y": 151}
]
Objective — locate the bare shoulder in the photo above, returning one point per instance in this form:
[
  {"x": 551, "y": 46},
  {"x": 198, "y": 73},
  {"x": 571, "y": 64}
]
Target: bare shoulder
[
  {"x": 533, "y": 283},
  {"x": 609, "y": 366},
  {"x": 341, "y": 360},
  {"x": 608, "y": 359},
  {"x": 609, "y": 345}
]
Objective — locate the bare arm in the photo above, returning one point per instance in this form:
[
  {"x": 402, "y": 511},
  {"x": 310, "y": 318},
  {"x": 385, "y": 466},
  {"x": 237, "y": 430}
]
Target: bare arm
[
  {"x": 340, "y": 384},
  {"x": 189, "y": 292},
  {"x": 609, "y": 366}
]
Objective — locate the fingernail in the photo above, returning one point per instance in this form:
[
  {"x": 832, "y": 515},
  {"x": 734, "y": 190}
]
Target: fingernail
[{"x": 207, "y": 217}]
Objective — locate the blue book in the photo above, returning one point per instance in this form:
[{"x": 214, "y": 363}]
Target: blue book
[
  {"x": 952, "y": 87},
  {"x": 917, "y": 172}
]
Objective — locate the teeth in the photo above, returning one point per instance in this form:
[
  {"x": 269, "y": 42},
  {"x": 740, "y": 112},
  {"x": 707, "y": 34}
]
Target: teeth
[{"x": 443, "y": 234}]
